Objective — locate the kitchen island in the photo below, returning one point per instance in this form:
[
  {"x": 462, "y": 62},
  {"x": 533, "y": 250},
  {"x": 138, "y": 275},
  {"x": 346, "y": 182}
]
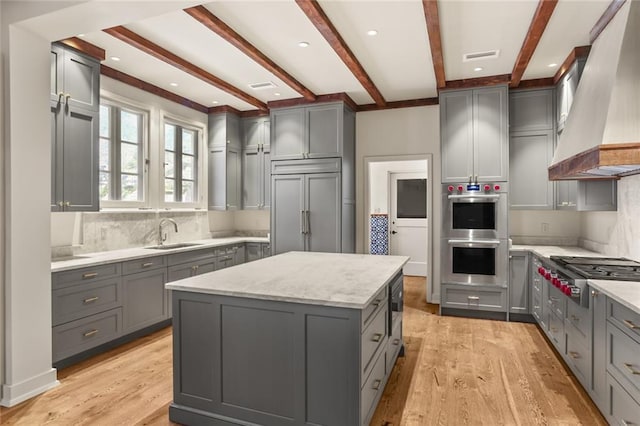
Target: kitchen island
[{"x": 298, "y": 338}]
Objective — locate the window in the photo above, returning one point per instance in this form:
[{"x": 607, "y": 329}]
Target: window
[
  {"x": 121, "y": 153},
  {"x": 180, "y": 163}
]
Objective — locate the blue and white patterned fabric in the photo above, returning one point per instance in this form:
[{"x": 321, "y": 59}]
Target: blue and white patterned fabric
[{"x": 379, "y": 229}]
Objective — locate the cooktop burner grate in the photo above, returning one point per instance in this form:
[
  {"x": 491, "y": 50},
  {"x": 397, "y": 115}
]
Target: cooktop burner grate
[{"x": 601, "y": 268}]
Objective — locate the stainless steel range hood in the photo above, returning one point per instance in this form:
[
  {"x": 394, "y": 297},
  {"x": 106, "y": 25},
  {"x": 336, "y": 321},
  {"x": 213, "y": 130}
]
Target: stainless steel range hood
[{"x": 601, "y": 138}]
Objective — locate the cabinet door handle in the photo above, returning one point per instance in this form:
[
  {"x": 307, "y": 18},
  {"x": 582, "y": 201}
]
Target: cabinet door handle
[
  {"x": 574, "y": 355},
  {"x": 308, "y": 222},
  {"x": 302, "y": 222},
  {"x": 575, "y": 318},
  {"x": 89, "y": 275},
  {"x": 90, "y": 333},
  {"x": 146, "y": 265},
  {"x": 396, "y": 342},
  {"x": 225, "y": 258},
  {"x": 473, "y": 298},
  {"x": 90, "y": 300},
  {"x": 376, "y": 384},
  {"x": 627, "y": 423},
  {"x": 631, "y": 325},
  {"x": 67, "y": 203},
  {"x": 376, "y": 302},
  {"x": 376, "y": 337},
  {"x": 631, "y": 369},
  {"x": 60, "y": 204}
]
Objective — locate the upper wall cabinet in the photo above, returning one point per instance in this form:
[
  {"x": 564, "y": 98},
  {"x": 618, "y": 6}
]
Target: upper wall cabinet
[
  {"x": 474, "y": 134},
  {"x": 256, "y": 167},
  {"x": 565, "y": 91},
  {"x": 75, "y": 104},
  {"x": 307, "y": 132},
  {"x": 224, "y": 162},
  {"x": 531, "y": 146}
]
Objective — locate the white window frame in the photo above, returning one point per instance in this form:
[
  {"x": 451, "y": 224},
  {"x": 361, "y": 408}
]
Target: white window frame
[
  {"x": 201, "y": 152},
  {"x": 128, "y": 105}
]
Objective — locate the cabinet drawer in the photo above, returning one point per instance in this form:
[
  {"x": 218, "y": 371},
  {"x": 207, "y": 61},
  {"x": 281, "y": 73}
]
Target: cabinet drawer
[
  {"x": 190, "y": 256},
  {"x": 579, "y": 317},
  {"x": 467, "y": 297},
  {"x": 144, "y": 264},
  {"x": 374, "y": 336},
  {"x": 624, "y": 410},
  {"x": 224, "y": 261},
  {"x": 370, "y": 309},
  {"x": 578, "y": 355},
  {"x": 556, "y": 332},
  {"x": 395, "y": 341},
  {"x": 84, "y": 275},
  {"x": 79, "y": 301},
  {"x": 623, "y": 359},
  {"x": 556, "y": 301},
  {"x": 624, "y": 318},
  {"x": 373, "y": 387},
  {"x": 86, "y": 333}
]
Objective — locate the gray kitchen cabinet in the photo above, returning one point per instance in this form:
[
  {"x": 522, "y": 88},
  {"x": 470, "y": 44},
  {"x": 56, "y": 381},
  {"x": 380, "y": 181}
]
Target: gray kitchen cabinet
[
  {"x": 317, "y": 131},
  {"x": 565, "y": 91},
  {"x": 598, "y": 387},
  {"x": 587, "y": 195},
  {"x": 75, "y": 88},
  {"x": 477, "y": 298},
  {"x": 519, "y": 292},
  {"x": 537, "y": 295},
  {"x": 474, "y": 134},
  {"x": 256, "y": 159},
  {"x": 266, "y": 249},
  {"x": 255, "y": 251},
  {"x": 307, "y": 212},
  {"x": 145, "y": 299},
  {"x": 224, "y": 162},
  {"x": 186, "y": 270},
  {"x": 531, "y": 147}
]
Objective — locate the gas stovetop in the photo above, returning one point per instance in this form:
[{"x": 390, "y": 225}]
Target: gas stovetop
[{"x": 601, "y": 268}]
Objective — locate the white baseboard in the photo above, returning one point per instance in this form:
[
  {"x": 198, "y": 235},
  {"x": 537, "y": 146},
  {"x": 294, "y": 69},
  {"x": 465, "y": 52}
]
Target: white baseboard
[{"x": 16, "y": 393}]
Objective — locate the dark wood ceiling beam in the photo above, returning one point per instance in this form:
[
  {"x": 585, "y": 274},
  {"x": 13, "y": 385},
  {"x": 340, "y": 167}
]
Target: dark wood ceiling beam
[
  {"x": 321, "y": 21},
  {"x": 536, "y": 82},
  {"x": 164, "y": 55},
  {"x": 479, "y": 81},
  {"x": 536, "y": 29},
  {"x": 215, "y": 24},
  {"x": 604, "y": 20},
  {"x": 148, "y": 87},
  {"x": 85, "y": 47},
  {"x": 435, "y": 42},
  {"x": 577, "y": 52}
]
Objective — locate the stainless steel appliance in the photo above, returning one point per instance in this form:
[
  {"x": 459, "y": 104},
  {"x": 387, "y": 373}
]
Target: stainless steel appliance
[
  {"x": 570, "y": 273},
  {"x": 395, "y": 302},
  {"x": 474, "y": 246},
  {"x": 475, "y": 210}
]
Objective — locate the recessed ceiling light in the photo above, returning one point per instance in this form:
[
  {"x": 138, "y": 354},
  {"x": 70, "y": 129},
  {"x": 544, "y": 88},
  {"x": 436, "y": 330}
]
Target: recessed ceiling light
[
  {"x": 276, "y": 94},
  {"x": 214, "y": 102},
  {"x": 115, "y": 58},
  {"x": 552, "y": 65},
  {"x": 173, "y": 84},
  {"x": 478, "y": 69},
  {"x": 303, "y": 44},
  {"x": 81, "y": 35},
  {"x": 372, "y": 32}
]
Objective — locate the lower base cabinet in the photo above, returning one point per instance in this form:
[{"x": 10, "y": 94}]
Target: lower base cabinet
[
  {"x": 481, "y": 298},
  {"x": 145, "y": 299},
  {"x": 255, "y": 251}
]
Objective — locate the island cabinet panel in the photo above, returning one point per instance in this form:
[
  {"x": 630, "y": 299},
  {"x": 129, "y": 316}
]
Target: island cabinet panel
[{"x": 239, "y": 360}]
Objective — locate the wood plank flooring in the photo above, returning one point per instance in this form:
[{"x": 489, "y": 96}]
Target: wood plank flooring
[{"x": 456, "y": 371}]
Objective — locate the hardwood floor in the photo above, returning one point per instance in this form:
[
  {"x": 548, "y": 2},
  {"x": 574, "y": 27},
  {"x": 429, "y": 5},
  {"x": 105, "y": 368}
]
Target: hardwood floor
[{"x": 456, "y": 371}]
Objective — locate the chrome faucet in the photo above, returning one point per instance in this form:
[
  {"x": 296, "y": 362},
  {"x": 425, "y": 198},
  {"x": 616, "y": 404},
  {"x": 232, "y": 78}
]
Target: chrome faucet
[{"x": 162, "y": 238}]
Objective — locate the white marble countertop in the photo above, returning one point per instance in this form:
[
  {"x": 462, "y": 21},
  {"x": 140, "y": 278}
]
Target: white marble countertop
[
  {"x": 626, "y": 293},
  {"x": 105, "y": 257},
  {"x": 327, "y": 279}
]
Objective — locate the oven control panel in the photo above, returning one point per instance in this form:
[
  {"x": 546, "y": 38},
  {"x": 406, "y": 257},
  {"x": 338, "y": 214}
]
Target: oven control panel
[{"x": 479, "y": 188}]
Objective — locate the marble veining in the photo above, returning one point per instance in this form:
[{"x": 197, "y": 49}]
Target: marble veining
[
  {"x": 626, "y": 293},
  {"x": 548, "y": 251},
  {"x": 327, "y": 279}
]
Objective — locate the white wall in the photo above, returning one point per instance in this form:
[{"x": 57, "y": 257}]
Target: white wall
[
  {"x": 251, "y": 220},
  {"x": 616, "y": 233},
  {"x": 398, "y": 132},
  {"x": 551, "y": 227}
]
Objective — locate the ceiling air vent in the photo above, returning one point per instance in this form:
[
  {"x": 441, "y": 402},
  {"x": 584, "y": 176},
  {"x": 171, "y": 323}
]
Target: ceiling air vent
[
  {"x": 262, "y": 86},
  {"x": 489, "y": 54}
]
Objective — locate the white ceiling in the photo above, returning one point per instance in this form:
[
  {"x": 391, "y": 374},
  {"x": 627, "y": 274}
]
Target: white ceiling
[{"x": 398, "y": 59}]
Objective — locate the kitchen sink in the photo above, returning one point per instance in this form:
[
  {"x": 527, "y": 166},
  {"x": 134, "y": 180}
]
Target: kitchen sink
[{"x": 172, "y": 246}]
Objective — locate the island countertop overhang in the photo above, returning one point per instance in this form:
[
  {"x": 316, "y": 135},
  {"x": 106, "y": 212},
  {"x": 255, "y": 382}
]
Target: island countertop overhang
[{"x": 326, "y": 279}]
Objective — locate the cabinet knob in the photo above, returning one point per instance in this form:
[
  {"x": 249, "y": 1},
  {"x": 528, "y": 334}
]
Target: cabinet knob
[
  {"x": 594, "y": 293},
  {"x": 67, "y": 203},
  {"x": 60, "y": 204}
]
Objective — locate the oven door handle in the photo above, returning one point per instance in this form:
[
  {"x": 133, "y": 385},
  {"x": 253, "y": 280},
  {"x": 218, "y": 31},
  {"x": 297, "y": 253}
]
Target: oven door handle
[
  {"x": 483, "y": 197},
  {"x": 472, "y": 243}
]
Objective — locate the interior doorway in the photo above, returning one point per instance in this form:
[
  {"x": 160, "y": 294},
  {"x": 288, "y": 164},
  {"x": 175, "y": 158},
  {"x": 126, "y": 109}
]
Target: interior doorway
[{"x": 398, "y": 209}]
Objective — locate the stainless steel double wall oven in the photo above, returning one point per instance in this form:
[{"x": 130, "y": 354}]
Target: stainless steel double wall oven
[{"x": 475, "y": 244}]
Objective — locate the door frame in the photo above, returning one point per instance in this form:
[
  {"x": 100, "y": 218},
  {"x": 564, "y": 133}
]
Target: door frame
[{"x": 367, "y": 199}]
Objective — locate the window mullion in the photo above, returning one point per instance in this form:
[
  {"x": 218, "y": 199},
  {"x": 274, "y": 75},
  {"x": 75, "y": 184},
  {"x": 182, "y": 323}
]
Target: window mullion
[
  {"x": 178, "y": 163},
  {"x": 117, "y": 169}
]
